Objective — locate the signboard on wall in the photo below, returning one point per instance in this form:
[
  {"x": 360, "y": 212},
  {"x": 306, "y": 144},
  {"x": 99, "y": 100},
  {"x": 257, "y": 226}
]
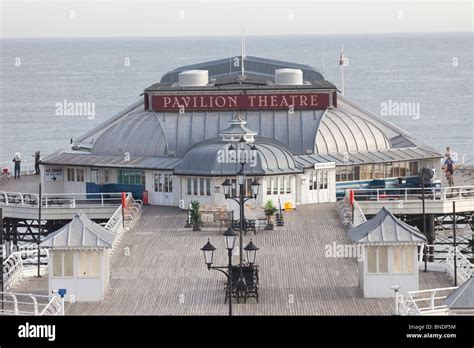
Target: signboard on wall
[
  {"x": 221, "y": 102},
  {"x": 326, "y": 165},
  {"x": 53, "y": 174}
]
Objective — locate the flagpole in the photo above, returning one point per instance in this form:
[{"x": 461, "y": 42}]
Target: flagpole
[
  {"x": 243, "y": 51},
  {"x": 342, "y": 69}
]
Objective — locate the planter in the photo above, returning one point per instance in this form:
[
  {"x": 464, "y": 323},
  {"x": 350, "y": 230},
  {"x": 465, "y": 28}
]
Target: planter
[
  {"x": 196, "y": 228},
  {"x": 268, "y": 227}
]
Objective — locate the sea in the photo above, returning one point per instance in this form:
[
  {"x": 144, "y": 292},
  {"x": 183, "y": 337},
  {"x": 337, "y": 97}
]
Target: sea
[{"x": 423, "y": 83}]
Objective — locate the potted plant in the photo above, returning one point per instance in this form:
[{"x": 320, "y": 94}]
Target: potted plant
[
  {"x": 269, "y": 210},
  {"x": 195, "y": 216}
]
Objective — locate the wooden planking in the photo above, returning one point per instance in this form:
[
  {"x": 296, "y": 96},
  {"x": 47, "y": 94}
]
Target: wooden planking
[{"x": 159, "y": 269}]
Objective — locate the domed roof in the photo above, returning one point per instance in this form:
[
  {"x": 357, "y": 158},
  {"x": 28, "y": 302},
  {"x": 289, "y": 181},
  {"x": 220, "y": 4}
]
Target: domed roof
[
  {"x": 139, "y": 135},
  {"x": 215, "y": 158},
  {"x": 341, "y": 131}
]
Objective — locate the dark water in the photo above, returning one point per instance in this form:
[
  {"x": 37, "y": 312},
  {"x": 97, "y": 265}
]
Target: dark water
[{"x": 434, "y": 70}]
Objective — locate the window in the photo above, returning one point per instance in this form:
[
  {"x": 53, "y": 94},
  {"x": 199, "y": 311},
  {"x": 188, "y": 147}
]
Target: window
[
  {"x": 157, "y": 184},
  {"x": 275, "y": 185},
  {"x": 288, "y": 185},
  {"x": 189, "y": 186},
  {"x": 80, "y": 175},
  {"x": 388, "y": 170},
  {"x": 68, "y": 264},
  {"x": 131, "y": 177},
  {"x": 248, "y": 187},
  {"x": 382, "y": 260},
  {"x": 57, "y": 265},
  {"x": 169, "y": 185},
  {"x": 63, "y": 264},
  {"x": 70, "y": 174},
  {"x": 371, "y": 260},
  {"x": 311, "y": 181},
  {"x": 377, "y": 260},
  {"x": 408, "y": 260},
  {"x": 105, "y": 176},
  {"x": 378, "y": 171},
  {"x": 208, "y": 186},
  {"x": 403, "y": 260},
  {"x": 414, "y": 168},
  {"x": 195, "y": 186},
  {"x": 89, "y": 264},
  {"x": 366, "y": 172},
  {"x": 201, "y": 186},
  {"x": 282, "y": 184},
  {"x": 269, "y": 186}
]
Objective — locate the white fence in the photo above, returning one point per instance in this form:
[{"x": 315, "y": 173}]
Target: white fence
[
  {"x": 345, "y": 212},
  {"x": 464, "y": 268},
  {"x": 26, "y": 167},
  {"x": 15, "y": 266},
  {"x": 424, "y": 302},
  {"x": 409, "y": 194},
  {"x": 27, "y": 304},
  {"x": 61, "y": 200}
]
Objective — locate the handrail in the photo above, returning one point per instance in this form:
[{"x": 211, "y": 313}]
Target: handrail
[
  {"x": 59, "y": 200},
  {"x": 414, "y": 193},
  {"x": 13, "y": 265},
  {"x": 30, "y": 304},
  {"x": 463, "y": 266},
  {"x": 423, "y": 302},
  {"x": 345, "y": 211},
  {"x": 25, "y": 168}
]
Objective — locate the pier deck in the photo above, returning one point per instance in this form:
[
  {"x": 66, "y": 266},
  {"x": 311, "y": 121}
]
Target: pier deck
[{"x": 159, "y": 269}]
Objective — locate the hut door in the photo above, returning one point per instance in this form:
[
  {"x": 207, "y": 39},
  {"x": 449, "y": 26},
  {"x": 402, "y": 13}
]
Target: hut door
[{"x": 162, "y": 188}]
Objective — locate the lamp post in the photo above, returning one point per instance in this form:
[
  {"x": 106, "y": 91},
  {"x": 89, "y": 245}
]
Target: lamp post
[
  {"x": 241, "y": 199},
  {"x": 208, "y": 250}
]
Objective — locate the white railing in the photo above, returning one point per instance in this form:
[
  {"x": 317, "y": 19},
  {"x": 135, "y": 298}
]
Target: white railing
[
  {"x": 116, "y": 222},
  {"x": 14, "y": 266},
  {"x": 345, "y": 211},
  {"x": 61, "y": 200},
  {"x": 424, "y": 302},
  {"x": 28, "y": 304},
  {"x": 412, "y": 194},
  {"x": 464, "y": 268},
  {"x": 25, "y": 168}
]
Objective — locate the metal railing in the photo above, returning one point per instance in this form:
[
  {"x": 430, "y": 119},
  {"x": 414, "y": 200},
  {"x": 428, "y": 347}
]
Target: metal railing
[
  {"x": 60, "y": 200},
  {"x": 126, "y": 219},
  {"x": 424, "y": 302},
  {"x": 345, "y": 212},
  {"x": 412, "y": 194},
  {"x": 14, "y": 266},
  {"x": 464, "y": 268},
  {"x": 12, "y": 303},
  {"x": 25, "y": 169}
]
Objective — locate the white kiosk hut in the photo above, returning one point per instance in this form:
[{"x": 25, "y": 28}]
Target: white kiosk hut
[
  {"x": 461, "y": 300},
  {"x": 79, "y": 259},
  {"x": 390, "y": 255}
]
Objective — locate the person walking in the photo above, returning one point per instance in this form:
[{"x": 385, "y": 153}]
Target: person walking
[
  {"x": 449, "y": 168},
  {"x": 37, "y": 162},
  {"x": 17, "y": 161}
]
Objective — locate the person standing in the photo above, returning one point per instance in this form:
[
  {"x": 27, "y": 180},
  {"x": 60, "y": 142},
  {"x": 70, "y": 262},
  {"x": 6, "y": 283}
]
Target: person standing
[
  {"x": 449, "y": 168},
  {"x": 37, "y": 162},
  {"x": 17, "y": 161}
]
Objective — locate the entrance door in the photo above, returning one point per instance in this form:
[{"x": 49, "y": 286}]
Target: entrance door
[
  {"x": 162, "y": 188},
  {"x": 318, "y": 190}
]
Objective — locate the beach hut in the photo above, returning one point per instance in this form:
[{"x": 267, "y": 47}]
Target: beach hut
[
  {"x": 461, "y": 300},
  {"x": 389, "y": 255},
  {"x": 79, "y": 259}
]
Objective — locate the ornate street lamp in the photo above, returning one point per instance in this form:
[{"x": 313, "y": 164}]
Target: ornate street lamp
[
  {"x": 226, "y": 185},
  {"x": 251, "y": 250},
  {"x": 208, "y": 250},
  {"x": 255, "y": 188}
]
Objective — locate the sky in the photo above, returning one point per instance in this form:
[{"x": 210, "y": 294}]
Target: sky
[{"x": 162, "y": 18}]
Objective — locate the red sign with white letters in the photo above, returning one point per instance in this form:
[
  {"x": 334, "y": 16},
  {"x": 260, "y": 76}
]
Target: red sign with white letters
[{"x": 205, "y": 102}]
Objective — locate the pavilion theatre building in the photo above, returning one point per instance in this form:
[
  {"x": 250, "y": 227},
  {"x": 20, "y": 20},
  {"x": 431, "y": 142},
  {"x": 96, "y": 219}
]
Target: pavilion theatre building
[{"x": 303, "y": 140}]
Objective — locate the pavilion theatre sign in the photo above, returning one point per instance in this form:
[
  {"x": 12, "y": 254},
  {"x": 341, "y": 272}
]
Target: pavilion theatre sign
[{"x": 208, "y": 102}]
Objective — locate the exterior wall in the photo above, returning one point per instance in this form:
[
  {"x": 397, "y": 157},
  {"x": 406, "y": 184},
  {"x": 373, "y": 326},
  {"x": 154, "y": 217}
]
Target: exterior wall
[
  {"x": 78, "y": 288},
  {"x": 279, "y": 198},
  {"x": 377, "y": 285}
]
